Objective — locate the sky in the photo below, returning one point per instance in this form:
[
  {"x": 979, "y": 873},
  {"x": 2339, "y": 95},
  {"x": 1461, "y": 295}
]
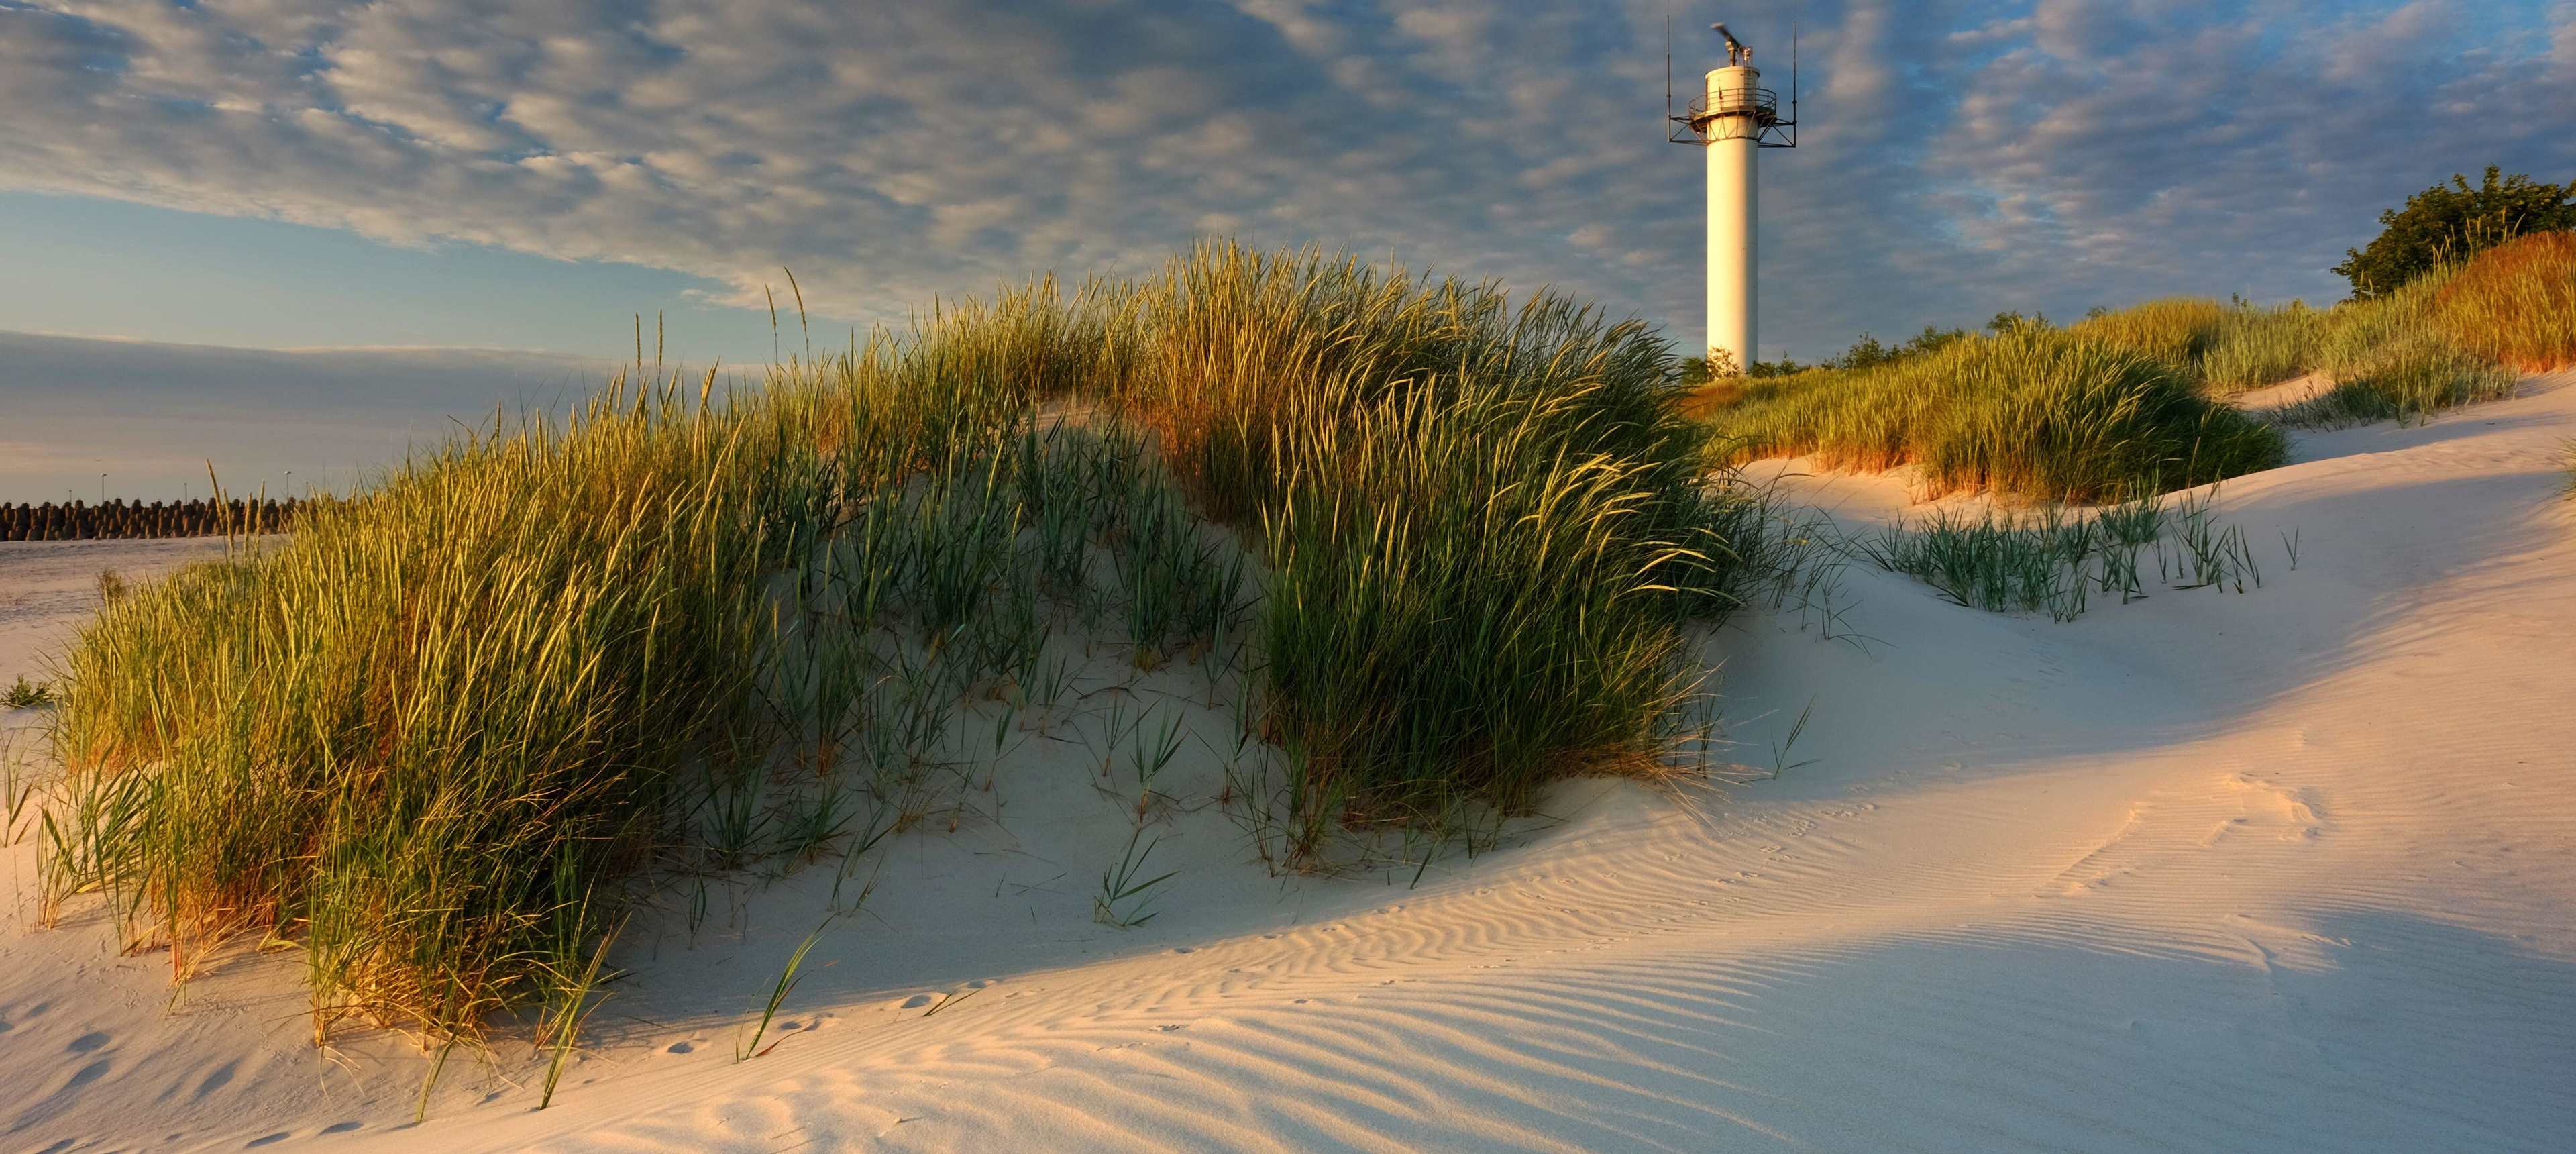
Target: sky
[{"x": 198, "y": 186}]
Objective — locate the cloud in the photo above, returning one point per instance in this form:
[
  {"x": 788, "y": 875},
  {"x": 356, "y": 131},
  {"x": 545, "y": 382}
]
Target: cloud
[{"x": 1957, "y": 157}]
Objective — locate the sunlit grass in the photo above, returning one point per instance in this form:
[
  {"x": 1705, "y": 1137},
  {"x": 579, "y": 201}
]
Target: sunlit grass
[
  {"x": 418, "y": 735},
  {"x": 2033, "y": 412},
  {"x": 1449, "y": 549},
  {"x": 2176, "y": 330},
  {"x": 2091, "y": 411},
  {"x": 2256, "y": 346},
  {"x": 2515, "y": 304}
]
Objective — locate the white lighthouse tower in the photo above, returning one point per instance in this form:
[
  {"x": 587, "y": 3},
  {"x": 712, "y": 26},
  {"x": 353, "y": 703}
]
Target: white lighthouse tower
[{"x": 1732, "y": 119}]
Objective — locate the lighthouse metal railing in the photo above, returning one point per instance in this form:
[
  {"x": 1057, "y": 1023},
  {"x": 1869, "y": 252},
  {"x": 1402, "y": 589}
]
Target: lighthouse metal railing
[{"x": 1761, "y": 104}]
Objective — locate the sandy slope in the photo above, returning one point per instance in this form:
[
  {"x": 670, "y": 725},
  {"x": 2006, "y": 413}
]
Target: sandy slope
[{"x": 2290, "y": 870}]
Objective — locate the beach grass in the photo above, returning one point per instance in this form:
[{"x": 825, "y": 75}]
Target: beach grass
[
  {"x": 2033, "y": 412},
  {"x": 2056, "y": 561},
  {"x": 2092, "y": 411},
  {"x": 2178, "y": 331},
  {"x": 2515, "y": 304},
  {"x": 1450, "y": 548},
  {"x": 416, "y": 736},
  {"x": 2412, "y": 374},
  {"x": 1485, "y": 527},
  {"x": 2257, "y": 346},
  {"x": 2401, "y": 355}
]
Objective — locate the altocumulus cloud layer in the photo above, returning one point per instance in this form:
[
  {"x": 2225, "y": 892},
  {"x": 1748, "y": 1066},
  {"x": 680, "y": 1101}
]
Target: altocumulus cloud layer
[{"x": 1959, "y": 157}]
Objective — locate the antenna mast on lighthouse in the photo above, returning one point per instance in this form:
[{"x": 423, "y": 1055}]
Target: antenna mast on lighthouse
[{"x": 1732, "y": 118}]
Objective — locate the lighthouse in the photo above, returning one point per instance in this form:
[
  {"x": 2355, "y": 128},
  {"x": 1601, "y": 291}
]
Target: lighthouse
[{"x": 1732, "y": 120}]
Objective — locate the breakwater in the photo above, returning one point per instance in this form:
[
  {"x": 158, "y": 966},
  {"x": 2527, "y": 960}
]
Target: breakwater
[{"x": 121, "y": 519}]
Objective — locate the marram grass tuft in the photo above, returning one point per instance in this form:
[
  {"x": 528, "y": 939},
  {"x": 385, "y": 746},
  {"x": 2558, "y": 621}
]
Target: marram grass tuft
[
  {"x": 2515, "y": 304},
  {"x": 443, "y": 735},
  {"x": 2039, "y": 413}
]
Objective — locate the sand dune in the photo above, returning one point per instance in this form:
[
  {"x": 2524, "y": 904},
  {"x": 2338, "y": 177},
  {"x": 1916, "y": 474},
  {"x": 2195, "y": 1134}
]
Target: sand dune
[{"x": 2286, "y": 870}]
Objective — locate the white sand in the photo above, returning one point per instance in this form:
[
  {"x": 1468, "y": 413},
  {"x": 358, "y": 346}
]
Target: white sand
[{"x": 2290, "y": 870}]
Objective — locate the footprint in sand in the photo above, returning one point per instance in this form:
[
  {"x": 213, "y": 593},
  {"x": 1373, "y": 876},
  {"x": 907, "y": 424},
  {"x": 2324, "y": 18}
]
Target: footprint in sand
[
  {"x": 280, "y": 1136},
  {"x": 342, "y": 1127},
  {"x": 88, "y": 1042}
]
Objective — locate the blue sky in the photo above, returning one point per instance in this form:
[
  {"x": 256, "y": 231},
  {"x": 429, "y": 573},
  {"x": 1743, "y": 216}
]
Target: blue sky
[{"x": 284, "y": 174}]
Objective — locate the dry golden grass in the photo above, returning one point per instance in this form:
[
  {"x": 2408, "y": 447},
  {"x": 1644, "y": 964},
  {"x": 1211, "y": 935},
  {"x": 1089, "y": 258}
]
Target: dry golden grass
[
  {"x": 2516, "y": 303},
  {"x": 1704, "y": 402}
]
